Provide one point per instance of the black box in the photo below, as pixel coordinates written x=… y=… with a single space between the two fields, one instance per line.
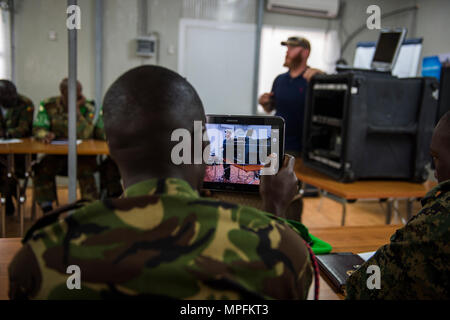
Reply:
x=369 y=125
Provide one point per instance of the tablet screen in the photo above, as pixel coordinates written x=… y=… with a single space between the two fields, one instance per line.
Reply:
x=238 y=153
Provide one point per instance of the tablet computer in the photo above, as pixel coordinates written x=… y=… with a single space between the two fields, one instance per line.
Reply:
x=241 y=150
x=388 y=48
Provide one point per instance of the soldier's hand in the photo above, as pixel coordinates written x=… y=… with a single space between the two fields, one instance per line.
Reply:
x=266 y=101
x=311 y=72
x=277 y=191
x=49 y=137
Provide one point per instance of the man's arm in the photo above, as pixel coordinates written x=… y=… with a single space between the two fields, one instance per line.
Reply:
x=267 y=99
x=277 y=191
x=25 y=123
x=85 y=123
x=407 y=271
x=414 y=265
x=24 y=275
x=41 y=126
x=311 y=72
x=99 y=131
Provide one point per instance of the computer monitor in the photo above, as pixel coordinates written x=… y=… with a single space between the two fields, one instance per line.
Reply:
x=388 y=47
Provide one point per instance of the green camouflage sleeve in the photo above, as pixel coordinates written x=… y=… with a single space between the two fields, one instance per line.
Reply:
x=85 y=121
x=415 y=264
x=41 y=125
x=25 y=123
x=100 y=128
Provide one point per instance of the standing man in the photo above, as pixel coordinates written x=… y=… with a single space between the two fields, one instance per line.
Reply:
x=289 y=92
x=51 y=124
x=16 y=121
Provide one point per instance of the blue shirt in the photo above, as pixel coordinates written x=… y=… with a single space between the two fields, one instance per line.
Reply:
x=290 y=99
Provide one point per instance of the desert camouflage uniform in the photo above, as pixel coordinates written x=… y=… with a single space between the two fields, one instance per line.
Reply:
x=17 y=123
x=416 y=263
x=163 y=240
x=109 y=172
x=52 y=117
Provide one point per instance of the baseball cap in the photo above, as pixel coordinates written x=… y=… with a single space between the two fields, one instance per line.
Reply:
x=297 y=42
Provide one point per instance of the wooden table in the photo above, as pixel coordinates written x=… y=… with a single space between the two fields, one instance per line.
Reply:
x=368 y=189
x=343 y=239
x=30 y=146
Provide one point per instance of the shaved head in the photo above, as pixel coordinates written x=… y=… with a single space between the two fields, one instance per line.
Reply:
x=8 y=94
x=440 y=148
x=141 y=110
x=64 y=90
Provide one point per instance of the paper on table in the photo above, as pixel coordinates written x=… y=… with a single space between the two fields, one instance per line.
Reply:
x=366 y=255
x=63 y=142
x=7 y=141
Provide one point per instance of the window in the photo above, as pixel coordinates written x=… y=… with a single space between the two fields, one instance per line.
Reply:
x=5 y=47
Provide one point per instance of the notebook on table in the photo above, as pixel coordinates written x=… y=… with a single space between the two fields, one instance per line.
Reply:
x=336 y=268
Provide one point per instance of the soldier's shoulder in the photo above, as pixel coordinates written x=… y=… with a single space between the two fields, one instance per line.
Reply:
x=438 y=198
x=49 y=102
x=25 y=101
x=46 y=225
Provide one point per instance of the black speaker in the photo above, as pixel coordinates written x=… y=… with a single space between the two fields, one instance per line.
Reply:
x=369 y=125
x=444 y=92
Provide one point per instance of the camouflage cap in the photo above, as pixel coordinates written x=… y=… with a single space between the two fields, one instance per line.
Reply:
x=297 y=42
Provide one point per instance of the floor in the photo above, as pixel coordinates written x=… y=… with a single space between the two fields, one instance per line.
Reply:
x=317 y=213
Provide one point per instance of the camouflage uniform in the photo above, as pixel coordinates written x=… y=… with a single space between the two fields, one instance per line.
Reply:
x=109 y=172
x=416 y=263
x=52 y=117
x=162 y=240
x=17 y=124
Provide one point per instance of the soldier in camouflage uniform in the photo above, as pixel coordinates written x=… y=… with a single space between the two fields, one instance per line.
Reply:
x=16 y=121
x=162 y=239
x=110 y=185
x=51 y=124
x=416 y=262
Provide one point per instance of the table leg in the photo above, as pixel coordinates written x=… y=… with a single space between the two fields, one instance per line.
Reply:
x=341 y=201
x=3 y=215
x=389 y=211
x=344 y=212
x=21 y=212
x=409 y=208
x=320 y=200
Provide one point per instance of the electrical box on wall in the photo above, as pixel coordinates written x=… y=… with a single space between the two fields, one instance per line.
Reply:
x=147 y=46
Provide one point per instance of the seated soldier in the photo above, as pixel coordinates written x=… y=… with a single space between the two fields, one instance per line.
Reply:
x=110 y=185
x=416 y=262
x=162 y=239
x=16 y=121
x=51 y=124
